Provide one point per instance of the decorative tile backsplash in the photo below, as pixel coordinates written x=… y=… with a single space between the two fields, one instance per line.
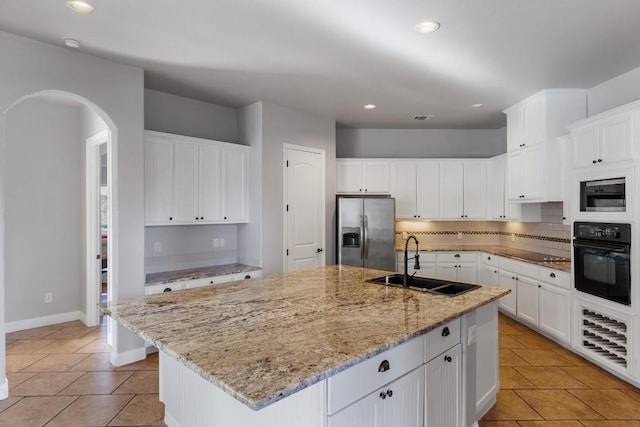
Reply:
x=550 y=237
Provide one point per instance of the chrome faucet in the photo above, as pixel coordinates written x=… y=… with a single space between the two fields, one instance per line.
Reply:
x=405 y=277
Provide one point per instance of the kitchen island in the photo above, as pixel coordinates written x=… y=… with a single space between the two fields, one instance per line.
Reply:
x=273 y=350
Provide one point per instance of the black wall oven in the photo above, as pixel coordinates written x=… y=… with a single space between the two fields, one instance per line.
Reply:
x=602 y=254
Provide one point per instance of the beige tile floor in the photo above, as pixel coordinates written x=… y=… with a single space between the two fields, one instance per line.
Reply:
x=544 y=385
x=60 y=375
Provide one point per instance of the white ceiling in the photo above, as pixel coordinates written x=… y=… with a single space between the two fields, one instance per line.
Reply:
x=332 y=57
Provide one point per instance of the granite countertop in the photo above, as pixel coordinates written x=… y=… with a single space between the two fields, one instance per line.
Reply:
x=263 y=339
x=517 y=254
x=197 y=273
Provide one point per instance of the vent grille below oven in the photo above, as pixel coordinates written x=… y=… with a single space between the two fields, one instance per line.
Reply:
x=604 y=337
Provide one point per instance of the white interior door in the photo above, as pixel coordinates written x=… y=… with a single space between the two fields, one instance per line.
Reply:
x=304 y=215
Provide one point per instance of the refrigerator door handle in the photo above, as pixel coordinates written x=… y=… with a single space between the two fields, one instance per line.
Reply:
x=362 y=236
x=365 y=237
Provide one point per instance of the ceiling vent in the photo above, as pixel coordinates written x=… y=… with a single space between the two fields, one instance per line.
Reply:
x=423 y=117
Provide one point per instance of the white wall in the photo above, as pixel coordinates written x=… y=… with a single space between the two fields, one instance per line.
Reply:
x=116 y=91
x=44 y=210
x=612 y=93
x=421 y=143
x=164 y=112
x=282 y=125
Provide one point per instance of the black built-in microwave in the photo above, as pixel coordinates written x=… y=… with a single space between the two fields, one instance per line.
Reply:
x=604 y=195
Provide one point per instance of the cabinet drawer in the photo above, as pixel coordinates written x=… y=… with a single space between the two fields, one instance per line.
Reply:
x=519 y=268
x=425 y=256
x=489 y=259
x=561 y=279
x=364 y=378
x=441 y=339
x=462 y=256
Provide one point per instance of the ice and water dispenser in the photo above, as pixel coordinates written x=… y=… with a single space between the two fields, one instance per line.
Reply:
x=350 y=237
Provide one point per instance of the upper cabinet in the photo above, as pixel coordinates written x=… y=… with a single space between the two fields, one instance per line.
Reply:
x=463 y=190
x=606 y=138
x=416 y=188
x=499 y=208
x=362 y=176
x=194 y=181
x=534 y=160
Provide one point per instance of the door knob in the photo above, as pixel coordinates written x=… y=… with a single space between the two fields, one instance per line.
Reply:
x=319 y=250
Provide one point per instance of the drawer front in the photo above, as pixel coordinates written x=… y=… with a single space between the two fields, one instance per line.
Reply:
x=441 y=339
x=425 y=256
x=358 y=381
x=519 y=268
x=561 y=279
x=158 y=289
x=462 y=256
x=489 y=259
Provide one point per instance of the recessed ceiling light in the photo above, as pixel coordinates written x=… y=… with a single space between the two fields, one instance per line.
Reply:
x=369 y=107
x=423 y=117
x=80 y=6
x=478 y=105
x=73 y=43
x=427 y=27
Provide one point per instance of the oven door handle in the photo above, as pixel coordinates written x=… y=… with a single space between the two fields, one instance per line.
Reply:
x=605 y=247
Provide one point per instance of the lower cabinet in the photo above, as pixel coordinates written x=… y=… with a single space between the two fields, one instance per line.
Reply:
x=464 y=272
x=443 y=389
x=555 y=315
x=508 y=303
x=527 y=297
x=487 y=376
x=400 y=403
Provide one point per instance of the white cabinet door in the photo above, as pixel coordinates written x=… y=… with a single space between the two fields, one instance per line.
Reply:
x=367 y=412
x=497 y=166
x=185 y=182
x=236 y=188
x=527 y=296
x=615 y=137
x=508 y=303
x=467 y=273
x=443 y=390
x=585 y=146
x=475 y=190
x=534 y=169
x=210 y=182
x=375 y=177
x=404 y=405
x=403 y=188
x=158 y=180
x=534 y=122
x=447 y=271
x=515 y=129
x=487 y=383
x=452 y=190
x=349 y=177
x=488 y=276
x=555 y=309
x=515 y=175
x=428 y=190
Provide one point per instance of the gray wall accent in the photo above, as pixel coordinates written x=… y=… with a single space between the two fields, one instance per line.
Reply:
x=44 y=210
x=421 y=143
x=283 y=125
x=189 y=246
x=618 y=91
x=164 y=112
x=250 y=235
x=116 y=92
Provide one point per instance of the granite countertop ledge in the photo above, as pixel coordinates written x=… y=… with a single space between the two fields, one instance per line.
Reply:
x=263 y=339
x=502 y=251
x=197 y=273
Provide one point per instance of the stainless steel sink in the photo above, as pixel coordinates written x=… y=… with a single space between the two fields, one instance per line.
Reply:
x=443 y=287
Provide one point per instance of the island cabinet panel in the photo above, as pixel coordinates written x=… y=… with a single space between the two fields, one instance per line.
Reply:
x=443 y=389
x=487 y=371
x=192 y=401
x=364 y=378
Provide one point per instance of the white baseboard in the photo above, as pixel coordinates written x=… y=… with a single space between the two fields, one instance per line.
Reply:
x=37 y=322
x=131 y=356
x=4 y=389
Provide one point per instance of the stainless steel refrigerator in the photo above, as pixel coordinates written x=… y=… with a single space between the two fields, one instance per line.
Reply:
x=366 y=231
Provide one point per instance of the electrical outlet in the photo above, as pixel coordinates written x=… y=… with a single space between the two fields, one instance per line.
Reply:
x=216 y=243
x=404 y=235
x=513 y=237
x=459 y=235
x=472 y=334
x=48 y=297
x=157 y=247
x=222 y=243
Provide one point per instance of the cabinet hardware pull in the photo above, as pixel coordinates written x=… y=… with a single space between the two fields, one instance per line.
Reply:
x=167 y=290
x=457 y=255
x=552 y=275
x=384 y=366
x=599 y=160
x=594 y=162
x=248 y=276
x=446 y=332
x=447 y=359
x=489 y=258
x=170 y=218
x=383 y=395
x=389 y=393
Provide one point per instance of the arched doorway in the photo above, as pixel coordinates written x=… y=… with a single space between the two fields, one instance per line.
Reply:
x=47 y=236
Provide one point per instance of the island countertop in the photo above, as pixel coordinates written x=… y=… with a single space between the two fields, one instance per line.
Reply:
x=263 y=339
